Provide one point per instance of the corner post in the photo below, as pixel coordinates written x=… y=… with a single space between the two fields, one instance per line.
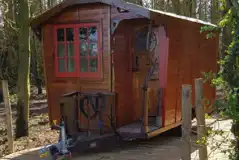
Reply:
x=186 y=121
x=200 y=114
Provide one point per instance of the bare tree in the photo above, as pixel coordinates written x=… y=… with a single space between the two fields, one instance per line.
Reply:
x=23 y=82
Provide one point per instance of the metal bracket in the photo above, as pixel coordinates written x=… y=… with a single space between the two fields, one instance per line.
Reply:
x=114 y=25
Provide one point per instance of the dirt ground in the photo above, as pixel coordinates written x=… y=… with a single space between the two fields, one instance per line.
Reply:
x=167 y=147
x=39 y=130
x=163 y=147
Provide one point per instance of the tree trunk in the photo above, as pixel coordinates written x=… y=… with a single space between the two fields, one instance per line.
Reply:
x=186 y=7
x=51 y=3
x=226 y=40
x=168 y=6
x=205 y=10
x=177 y=6
x=34 y=56
x=235 y=131
x=10 y=14
x=194 y=8
x=201 y=10
x=160 y=5
x=189 y=8
x=235 y=127
x=214 y=11
x=226 y=33
x=35 y=65
x=40 y=6
x=23 y=82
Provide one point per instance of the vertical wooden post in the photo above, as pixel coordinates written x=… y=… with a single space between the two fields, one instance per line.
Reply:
x=89 y=114
x=200 y=114
x=159 y=108
x=186 y=121
x=8 y=112
x=146 y=111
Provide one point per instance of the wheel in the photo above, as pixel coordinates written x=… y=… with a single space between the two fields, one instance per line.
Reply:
x=53 y=150
x=60 y=156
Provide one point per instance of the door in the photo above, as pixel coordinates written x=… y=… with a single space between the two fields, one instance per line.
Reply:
x=123 y=78
x=141 y=68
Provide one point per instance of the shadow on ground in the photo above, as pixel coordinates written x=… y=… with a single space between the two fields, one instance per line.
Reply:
x=24 y=155
x=165 y=146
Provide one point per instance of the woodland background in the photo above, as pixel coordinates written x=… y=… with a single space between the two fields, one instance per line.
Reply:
x=21 y=51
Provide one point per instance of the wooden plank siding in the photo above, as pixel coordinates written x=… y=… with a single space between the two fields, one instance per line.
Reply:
x=190 y=54
x=123 y=76
x=128 y=83
x=59 y=86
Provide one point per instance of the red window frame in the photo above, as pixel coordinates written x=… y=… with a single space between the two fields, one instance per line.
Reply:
x=76 y=56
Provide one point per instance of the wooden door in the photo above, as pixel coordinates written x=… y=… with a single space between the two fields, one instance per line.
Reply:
x=123 y=78
x=158 y=80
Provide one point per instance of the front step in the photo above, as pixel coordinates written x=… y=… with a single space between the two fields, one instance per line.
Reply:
x=133 y=131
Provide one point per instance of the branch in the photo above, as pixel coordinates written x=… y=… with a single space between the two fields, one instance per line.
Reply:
x=10 y=23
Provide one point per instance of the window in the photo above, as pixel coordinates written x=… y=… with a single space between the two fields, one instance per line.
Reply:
x=77 y=51
x=141 y=48
x=156 y=52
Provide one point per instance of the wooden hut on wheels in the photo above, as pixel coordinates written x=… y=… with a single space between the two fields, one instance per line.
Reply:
x=112 y=66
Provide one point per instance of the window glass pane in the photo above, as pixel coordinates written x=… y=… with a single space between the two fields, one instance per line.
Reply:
x=93 y=34
x=61 y=65
x=70 y=34
x=70 y=49
x=93 y=49
x=71 y=65
x=141 y=40
x=83 y=33
x=93 y=65
x=60 y=34
x=83 y=48
x=60 y=50
x=84 y=65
